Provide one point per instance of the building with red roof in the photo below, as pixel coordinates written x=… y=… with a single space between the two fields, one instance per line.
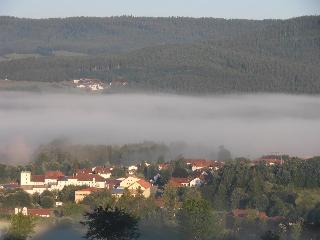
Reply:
x=244 y=213
x=36 y=212
x=163 y=166
x=52 y=177
x=53 y=174
x=112 y=183
x=197 y=164
x=269 y=160
x=140 y=186
x=81 y=194
x=103 y=171
x=179 y=182
x=91 y=180
x=37 y=179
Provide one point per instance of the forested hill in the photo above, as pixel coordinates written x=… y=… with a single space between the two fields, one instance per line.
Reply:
x=183 y=55
x=114 y=34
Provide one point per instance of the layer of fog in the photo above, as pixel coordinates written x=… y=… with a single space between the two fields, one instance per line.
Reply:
x=248 y=125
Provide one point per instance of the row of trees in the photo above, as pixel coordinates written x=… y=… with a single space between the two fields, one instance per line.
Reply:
x=60 y=155
x=274 y=190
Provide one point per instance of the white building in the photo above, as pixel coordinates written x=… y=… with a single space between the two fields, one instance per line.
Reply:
x=196 y=182
x=55 y=180
x=132 y=170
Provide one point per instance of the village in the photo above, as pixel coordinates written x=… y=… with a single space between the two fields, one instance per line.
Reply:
x=100 y=178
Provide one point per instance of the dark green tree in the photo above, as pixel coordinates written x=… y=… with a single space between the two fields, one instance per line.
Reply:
x=269 y=235
x=197 y=220
x=46 y=202
x=111 y=224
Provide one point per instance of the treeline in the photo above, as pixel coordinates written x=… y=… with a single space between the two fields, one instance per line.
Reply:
x=274 y=56
x=278 y=190
x=60 y=155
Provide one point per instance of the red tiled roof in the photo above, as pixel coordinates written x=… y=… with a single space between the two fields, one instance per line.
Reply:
x=202 y=163
x=90 y=177
x=262 y=215
x=239 y=212
x=113 y=182
x=39 y=211
x=53 y=174
x=6 y=210
x=178 y=182
x=84 y=171
x=37 y=178
x=194 y=161
x=268 y=160
x=102 y=170
x=163 y=165
x=144 y=183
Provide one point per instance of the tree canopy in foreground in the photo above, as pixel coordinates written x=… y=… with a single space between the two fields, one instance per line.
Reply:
x=111 y=223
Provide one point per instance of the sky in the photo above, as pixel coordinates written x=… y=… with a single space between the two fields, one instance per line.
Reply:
x=243 y=9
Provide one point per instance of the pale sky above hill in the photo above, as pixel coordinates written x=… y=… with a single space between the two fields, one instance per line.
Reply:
x=248 y=9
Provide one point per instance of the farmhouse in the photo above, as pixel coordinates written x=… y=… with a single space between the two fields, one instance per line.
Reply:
x=36 y=212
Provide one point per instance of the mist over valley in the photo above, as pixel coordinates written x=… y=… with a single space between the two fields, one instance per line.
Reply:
x=247 y=125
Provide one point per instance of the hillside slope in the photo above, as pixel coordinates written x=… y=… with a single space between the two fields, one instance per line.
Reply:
x=92 y=35
x=277 y=56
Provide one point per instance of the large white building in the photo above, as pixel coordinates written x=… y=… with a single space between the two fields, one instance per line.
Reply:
x=55 y=180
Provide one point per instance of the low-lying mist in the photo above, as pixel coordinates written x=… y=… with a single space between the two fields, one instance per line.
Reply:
x=248 y=125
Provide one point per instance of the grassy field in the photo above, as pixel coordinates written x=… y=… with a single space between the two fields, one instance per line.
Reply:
x=30 y=86
x=16 y=56
x=68 y=54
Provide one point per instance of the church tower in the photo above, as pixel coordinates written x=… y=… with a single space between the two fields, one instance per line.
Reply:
x=25 y=178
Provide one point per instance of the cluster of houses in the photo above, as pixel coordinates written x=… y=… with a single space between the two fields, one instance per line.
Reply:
x=89 y=84
x=92 y=179
x=199 y=169
x=270 y=160
x=99 y=178
x=93 y=84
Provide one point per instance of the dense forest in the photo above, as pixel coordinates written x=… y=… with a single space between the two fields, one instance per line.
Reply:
x=115 y=34
x=181 y=55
